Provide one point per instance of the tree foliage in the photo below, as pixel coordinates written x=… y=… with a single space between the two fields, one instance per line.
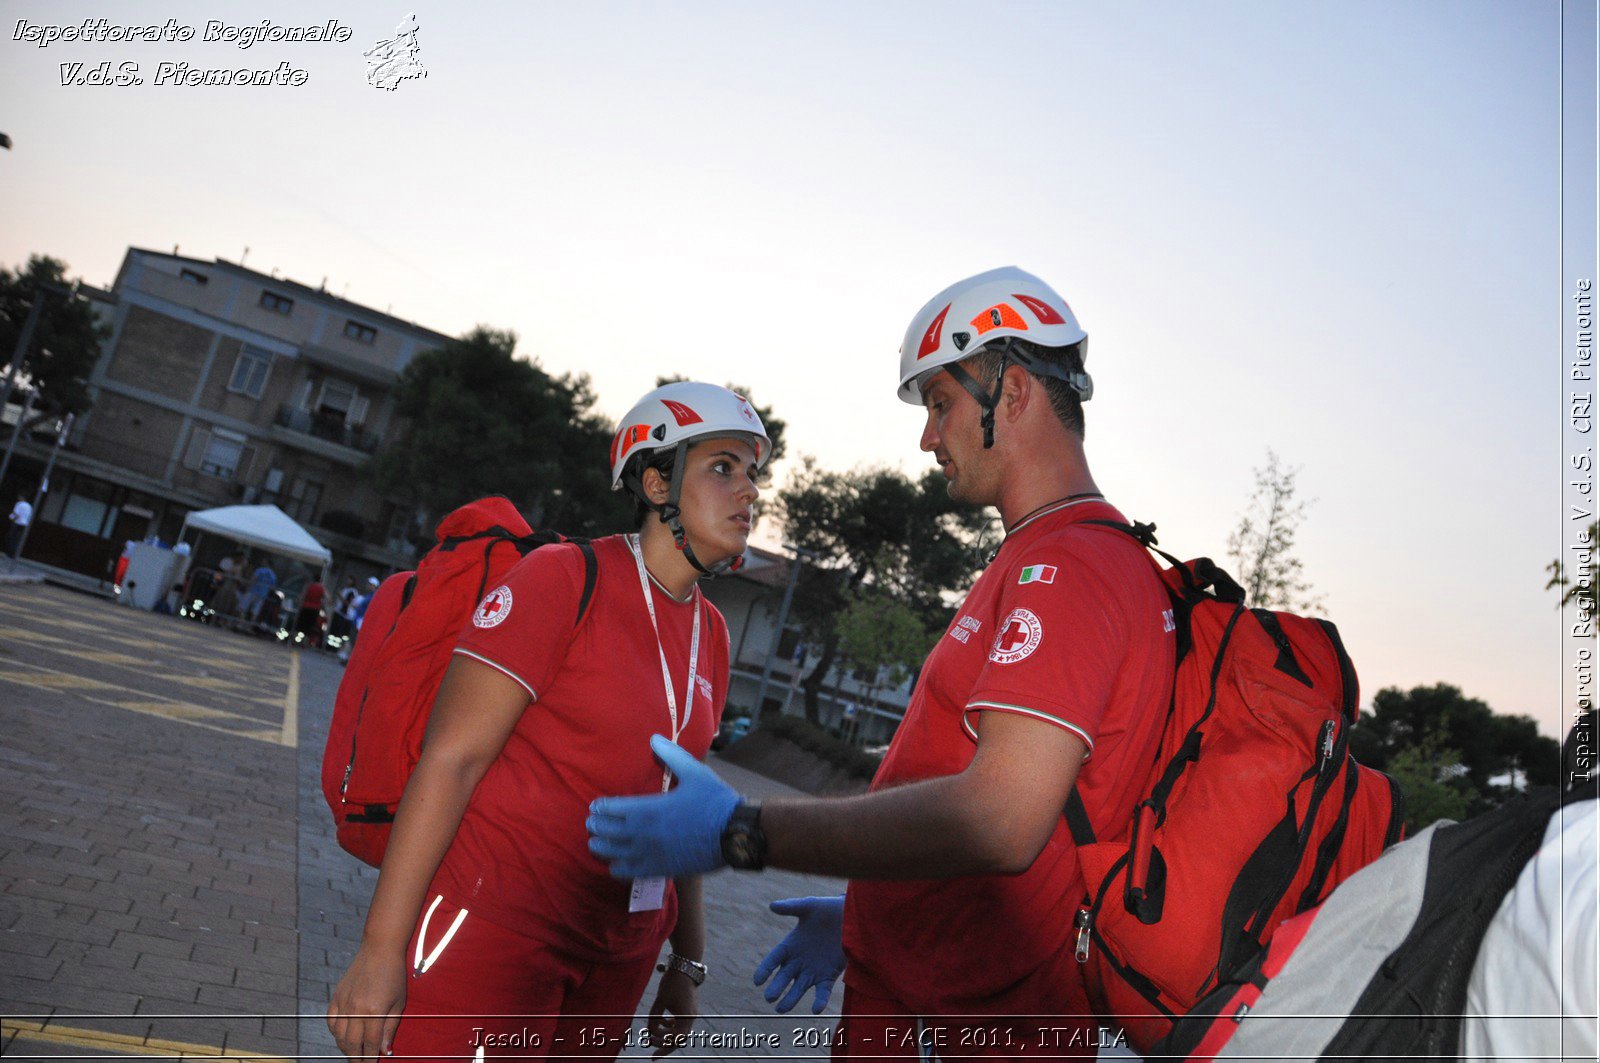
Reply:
x=1262 y=546
x=1434 y=789
x=480 y=421
x=1435 y=718
x=878 y=631
x=872 y=528
x=66 y=340
x=1577 y=590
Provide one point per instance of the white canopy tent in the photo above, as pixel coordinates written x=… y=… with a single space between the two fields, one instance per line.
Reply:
x=263 y=527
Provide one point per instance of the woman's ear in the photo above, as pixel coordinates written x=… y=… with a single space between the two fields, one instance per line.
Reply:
x=656 y=488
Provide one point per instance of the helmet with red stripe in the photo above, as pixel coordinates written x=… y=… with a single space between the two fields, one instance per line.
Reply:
x=1008 y=310
x=672 y=417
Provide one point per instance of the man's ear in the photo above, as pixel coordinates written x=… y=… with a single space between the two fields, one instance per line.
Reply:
x=1018 y=389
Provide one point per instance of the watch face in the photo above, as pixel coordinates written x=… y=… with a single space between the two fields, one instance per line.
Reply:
x=741 y=847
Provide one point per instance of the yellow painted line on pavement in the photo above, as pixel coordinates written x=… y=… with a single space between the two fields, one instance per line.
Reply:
x=120 y=1043
x=290 y=735
x=150 y=705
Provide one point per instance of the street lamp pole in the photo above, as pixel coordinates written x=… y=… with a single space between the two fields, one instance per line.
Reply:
x=44 y=482
x=777 y=634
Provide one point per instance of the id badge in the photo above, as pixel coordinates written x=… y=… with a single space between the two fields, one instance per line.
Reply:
x=648 y=894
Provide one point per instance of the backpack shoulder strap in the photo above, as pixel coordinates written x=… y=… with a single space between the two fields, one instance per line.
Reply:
x=591 y=573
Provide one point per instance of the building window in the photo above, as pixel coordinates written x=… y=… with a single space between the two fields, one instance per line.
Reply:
x=220 y=453
x=250 y=371
x=355 y=330
x=193 y=277
x=278 y=304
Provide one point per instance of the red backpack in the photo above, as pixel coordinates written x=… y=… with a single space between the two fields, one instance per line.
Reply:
x=407 y=637
x=1253 y=811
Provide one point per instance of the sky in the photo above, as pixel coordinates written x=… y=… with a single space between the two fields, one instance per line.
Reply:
x=1327 y=229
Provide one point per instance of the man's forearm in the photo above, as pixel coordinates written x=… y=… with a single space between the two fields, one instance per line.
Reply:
x=936 y=828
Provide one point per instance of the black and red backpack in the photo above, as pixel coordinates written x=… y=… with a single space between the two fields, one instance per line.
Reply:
x=408 y=634
x=1253 y=811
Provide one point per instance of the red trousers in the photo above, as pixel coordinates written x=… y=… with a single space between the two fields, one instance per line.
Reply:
x=485 y=987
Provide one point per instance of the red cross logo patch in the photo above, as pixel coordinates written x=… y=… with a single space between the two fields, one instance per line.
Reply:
x=495 y=607
x=1019 y=636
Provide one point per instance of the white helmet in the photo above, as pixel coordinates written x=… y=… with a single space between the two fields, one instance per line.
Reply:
x=677 y=413
x=993 y=306
x=671 y=417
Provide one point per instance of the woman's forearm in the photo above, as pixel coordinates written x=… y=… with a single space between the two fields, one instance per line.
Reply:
x=430 y=811
x=689 y=935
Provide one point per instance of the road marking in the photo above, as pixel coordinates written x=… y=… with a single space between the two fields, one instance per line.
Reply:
x=80 y=1038
x=290 y=735
x=153 y=705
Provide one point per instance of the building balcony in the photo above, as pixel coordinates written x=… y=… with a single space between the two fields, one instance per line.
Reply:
x=329 y=429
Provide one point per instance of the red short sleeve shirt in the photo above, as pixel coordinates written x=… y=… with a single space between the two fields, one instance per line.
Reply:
x=1069 y=626
x=520 y=858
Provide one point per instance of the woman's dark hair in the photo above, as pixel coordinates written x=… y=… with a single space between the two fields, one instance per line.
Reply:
x=659 y=460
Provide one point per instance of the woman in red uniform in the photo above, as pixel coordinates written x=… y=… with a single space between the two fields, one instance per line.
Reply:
x=492 y=929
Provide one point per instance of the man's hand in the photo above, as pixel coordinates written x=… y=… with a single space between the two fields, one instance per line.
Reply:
x=811 y=955
x=366 y=1005
x=672 y=834
x=673 y=1014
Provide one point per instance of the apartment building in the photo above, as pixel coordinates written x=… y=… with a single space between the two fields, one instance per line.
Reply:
x=221 y=385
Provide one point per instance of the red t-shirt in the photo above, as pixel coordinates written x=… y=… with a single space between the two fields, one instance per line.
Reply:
x=1068 y=625
x=521 y=857
x=312 y=599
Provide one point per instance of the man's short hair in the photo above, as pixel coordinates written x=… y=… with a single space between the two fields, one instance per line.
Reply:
x=1063 y=398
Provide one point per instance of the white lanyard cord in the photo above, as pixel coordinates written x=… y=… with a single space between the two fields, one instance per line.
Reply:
x=666 y=673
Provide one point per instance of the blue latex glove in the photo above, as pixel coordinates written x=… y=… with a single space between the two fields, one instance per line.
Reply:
x=675 y=833
x=811 y=955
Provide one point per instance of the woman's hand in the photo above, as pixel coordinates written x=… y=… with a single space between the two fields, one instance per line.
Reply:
x=367 y=1003
x=673 y=1014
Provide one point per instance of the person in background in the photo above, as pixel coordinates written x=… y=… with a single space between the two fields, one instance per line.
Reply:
x=17 y=527
x=262 y=583
x=308 y=621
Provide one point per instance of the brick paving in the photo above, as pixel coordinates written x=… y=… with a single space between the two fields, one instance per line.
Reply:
x=169 y=882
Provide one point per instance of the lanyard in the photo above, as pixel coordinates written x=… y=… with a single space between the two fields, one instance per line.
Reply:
x=666 y=674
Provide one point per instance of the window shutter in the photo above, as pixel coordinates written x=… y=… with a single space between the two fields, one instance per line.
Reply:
x=247 y=457
x=358 y=411
x=199 y=440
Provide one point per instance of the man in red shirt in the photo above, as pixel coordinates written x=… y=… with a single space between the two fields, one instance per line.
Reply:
x=1056 y=671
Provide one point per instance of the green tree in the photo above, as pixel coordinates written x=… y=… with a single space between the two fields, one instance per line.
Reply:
x=66 y=340
x=883 y=636
x=1490 y=745
x=874 y=528
x=1262 y=546
x=1432 y=784
x=1577 y=591
x=478 y=420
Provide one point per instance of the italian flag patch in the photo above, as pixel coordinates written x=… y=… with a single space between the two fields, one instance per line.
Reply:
x=1038 y=574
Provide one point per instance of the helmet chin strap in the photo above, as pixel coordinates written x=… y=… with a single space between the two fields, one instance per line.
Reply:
x=669 y=512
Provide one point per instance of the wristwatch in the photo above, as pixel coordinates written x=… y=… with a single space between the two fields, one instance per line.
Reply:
x=744 y=843
x=694 y=970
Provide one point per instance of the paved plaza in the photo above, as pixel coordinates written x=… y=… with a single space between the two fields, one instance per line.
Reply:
x=169 y=883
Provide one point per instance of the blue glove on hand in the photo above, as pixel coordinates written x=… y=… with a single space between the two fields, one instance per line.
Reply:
x=675 y=833
x=811 y=955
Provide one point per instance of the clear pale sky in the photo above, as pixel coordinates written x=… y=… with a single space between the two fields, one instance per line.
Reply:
x=1329 y=229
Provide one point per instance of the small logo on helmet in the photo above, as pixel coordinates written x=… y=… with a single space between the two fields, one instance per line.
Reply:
x=681 y=413
x=931 y=338
x=747 y=413
x=961 y=339
x=1019 y=636
x=494 y=608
